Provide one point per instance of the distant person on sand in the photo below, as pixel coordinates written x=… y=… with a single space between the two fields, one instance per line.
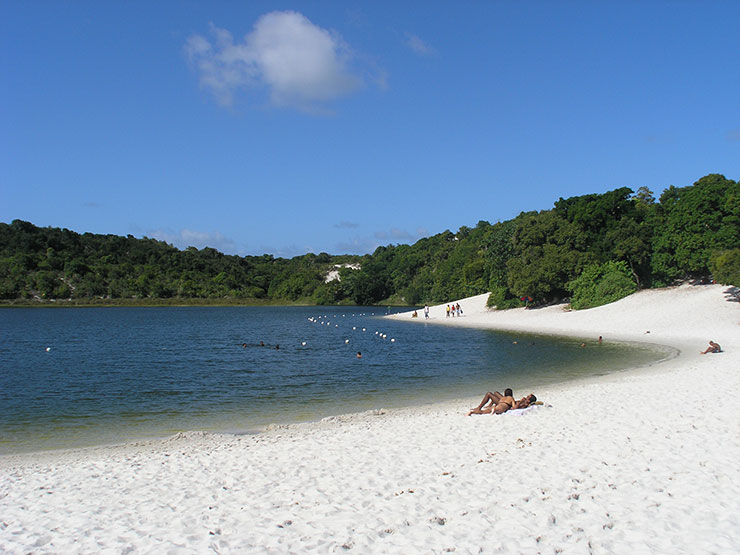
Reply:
x=713 y=348
x=526 y=401
x=502 y=403
x=426 y=312
x=498 y=403
x=448 y=311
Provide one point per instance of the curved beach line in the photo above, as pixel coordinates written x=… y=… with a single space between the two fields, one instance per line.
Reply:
x=640 y=461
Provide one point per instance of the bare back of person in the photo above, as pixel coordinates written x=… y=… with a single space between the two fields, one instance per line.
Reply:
x=504 y=404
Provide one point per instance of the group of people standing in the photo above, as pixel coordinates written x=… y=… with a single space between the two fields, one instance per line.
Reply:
x=454 y=310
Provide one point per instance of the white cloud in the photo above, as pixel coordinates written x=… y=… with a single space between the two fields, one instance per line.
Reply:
x=300 y=64
x=419 y=46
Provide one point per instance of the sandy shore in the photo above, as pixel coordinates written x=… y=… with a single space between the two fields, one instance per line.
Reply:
x=644 y=461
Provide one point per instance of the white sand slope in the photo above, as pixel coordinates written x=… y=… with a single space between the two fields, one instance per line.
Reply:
x=645 y=461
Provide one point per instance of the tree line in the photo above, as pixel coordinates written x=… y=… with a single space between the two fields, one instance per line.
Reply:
x=590 y=249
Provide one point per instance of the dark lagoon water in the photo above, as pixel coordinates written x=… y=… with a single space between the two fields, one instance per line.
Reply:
x=75 y=377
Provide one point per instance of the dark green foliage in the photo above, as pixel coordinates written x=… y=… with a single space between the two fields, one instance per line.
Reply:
x=598 y=238
x=600 y=284
x=725 y=266
x=549 y=251
x=50 y=263
x=692 y=223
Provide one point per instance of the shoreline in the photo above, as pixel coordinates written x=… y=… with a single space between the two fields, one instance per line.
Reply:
x=224 y=425
x=642 y=459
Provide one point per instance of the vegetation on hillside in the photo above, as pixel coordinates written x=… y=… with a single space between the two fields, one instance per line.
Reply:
x=595 y=248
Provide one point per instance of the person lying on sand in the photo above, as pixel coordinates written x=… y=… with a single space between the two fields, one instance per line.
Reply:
x=713 y=348
x=498 y=403
x=525 y=402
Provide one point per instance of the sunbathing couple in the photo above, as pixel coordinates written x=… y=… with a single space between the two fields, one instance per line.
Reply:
x=499 y=404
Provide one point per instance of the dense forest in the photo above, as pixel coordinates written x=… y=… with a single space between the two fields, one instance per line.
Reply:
x=590 y=249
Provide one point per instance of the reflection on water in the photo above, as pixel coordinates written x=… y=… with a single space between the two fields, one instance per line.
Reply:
x=90 y=376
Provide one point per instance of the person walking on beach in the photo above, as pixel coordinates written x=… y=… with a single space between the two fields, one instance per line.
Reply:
x=499 y=404
x=448 y=311
x=426 y=312
x=713 y=348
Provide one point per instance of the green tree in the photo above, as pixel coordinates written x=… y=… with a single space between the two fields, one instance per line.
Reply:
x=725 y=267
x=692 y=223
x=601 y=284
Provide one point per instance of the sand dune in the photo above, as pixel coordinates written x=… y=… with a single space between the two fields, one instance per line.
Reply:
x=642 y=461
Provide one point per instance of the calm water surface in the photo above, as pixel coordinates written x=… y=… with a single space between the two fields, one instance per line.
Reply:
x=74 y=377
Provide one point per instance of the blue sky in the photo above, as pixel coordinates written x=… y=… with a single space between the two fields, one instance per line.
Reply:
x=292 y=127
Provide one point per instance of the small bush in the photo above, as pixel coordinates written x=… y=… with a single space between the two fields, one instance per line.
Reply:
x=601 y=284
x=725 y=267
x=497 y=299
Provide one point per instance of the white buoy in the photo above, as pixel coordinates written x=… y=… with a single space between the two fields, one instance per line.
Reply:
x=48 y=349
x=363 y=329
x=354 y=328
x=346 y=340
x=303 y=343
x=393 y=340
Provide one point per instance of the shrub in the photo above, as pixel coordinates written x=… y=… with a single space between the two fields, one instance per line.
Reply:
x=601 y=284
x=497 y=298
x=725 y=267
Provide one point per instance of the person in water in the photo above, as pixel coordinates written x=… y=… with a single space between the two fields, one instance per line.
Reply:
x=713 y=348
x=359 y=354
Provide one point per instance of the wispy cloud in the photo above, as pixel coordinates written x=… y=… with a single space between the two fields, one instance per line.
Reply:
x=299 y=64
x=357 y=245
x=367 y=244
x=417 y=45
x=396 y=235
x=189 y=238
x=346 y=225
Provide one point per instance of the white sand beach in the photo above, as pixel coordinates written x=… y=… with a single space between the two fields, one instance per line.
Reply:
x=641 y=461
